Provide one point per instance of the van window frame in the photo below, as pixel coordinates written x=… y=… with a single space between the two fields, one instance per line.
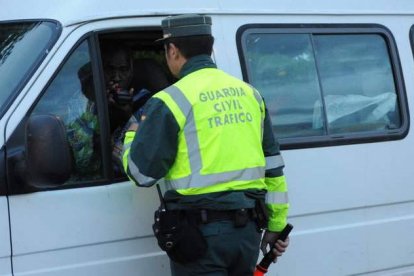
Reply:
x=92 y=38
x=337 y=29
x=18 y=136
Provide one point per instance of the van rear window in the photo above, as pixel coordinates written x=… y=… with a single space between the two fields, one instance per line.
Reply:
x=326 y=85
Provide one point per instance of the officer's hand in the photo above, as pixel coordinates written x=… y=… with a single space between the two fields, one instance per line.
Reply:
x=132 y=124
x=133 y=127
x=280 y=248
x=269 y=239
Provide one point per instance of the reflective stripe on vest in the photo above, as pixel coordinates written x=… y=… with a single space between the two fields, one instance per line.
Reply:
x=277 y=198
x=274 y=162
x=195 y=179
x=259 y=99
x=142 y=179
x=126 y=147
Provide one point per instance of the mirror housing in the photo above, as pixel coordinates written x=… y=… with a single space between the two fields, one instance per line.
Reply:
x=47 y=156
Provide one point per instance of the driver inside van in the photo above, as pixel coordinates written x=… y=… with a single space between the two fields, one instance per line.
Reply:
x=83 y=133
x=128 y=85
x=118 y=73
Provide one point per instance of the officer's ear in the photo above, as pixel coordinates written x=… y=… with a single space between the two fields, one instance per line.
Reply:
x=172 y=51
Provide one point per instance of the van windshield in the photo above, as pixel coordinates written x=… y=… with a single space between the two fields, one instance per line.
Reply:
x=23 y=45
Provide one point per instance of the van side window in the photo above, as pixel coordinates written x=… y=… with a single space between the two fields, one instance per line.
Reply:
x=323 y=85
x=76 y=106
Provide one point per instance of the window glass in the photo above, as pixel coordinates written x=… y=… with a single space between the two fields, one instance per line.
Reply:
x=282 y=67
x=357 y=82
x=322 y=84
x=71 y=97
x=21 y=46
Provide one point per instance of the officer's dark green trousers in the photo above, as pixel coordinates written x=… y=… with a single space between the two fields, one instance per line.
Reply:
x=231 y=251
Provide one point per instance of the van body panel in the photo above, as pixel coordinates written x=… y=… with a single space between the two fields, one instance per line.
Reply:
x=120 y=258
x=95 y=230
x=5 y=250
x=4 y=228
x=62 y=214
x=5 y=267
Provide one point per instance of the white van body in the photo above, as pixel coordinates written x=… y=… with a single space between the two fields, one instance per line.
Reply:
x=352 y=205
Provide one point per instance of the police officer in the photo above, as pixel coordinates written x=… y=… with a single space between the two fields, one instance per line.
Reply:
x=209 y=137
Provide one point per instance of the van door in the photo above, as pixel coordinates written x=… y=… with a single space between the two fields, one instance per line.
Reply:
x=5 y=251
x=96 y=223
x=23 y=46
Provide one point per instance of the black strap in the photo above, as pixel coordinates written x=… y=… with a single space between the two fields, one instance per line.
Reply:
x=205 y=216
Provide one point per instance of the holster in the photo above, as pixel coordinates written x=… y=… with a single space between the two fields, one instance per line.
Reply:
x=179 y=236
x=262 y=215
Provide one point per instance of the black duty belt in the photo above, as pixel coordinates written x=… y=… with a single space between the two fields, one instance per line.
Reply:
x=240 y=217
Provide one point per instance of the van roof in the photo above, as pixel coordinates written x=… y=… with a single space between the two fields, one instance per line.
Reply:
x=69 y=12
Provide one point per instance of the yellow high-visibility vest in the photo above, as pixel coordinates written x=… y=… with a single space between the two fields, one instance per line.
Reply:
x=220 y=138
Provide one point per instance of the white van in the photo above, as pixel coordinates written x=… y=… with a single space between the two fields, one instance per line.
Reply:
x=338 y=79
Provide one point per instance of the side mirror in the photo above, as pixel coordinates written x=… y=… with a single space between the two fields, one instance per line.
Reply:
x=47 y=152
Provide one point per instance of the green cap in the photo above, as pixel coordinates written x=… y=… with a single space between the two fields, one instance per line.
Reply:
x=186 y=25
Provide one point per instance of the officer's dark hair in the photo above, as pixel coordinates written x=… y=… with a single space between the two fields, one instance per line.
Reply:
x=191 y=46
